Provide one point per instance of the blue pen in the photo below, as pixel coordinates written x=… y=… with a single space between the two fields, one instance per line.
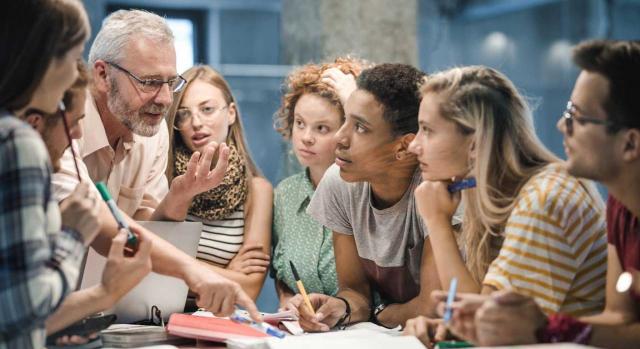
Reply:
x=450 y=297
x=261 y=326
x=461 y=185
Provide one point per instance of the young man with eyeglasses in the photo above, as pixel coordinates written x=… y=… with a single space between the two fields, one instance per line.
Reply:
x=80 y=210
x=125 y=144
x=601 y=129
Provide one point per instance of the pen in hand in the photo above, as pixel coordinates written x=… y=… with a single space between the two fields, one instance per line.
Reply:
x=466 y=183
x=301 y=289
x=261 y=326
x=448 y=310
x=132 y=240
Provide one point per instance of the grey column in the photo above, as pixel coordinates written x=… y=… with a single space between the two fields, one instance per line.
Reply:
x=376 y=30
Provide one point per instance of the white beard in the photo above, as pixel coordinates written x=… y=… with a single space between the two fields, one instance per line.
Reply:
x=131 y=119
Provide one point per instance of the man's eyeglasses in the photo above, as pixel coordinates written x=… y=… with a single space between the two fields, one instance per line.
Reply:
x=569 y=117
x=154 y=85
x=205 y=113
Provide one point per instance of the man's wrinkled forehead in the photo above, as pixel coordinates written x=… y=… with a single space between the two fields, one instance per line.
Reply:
x=150 y=59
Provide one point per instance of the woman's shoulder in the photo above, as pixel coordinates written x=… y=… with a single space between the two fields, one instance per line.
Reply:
x=260 y=183
x=292 y=182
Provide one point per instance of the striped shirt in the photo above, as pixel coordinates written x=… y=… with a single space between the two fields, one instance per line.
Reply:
x=555 y=247
x=220 y=240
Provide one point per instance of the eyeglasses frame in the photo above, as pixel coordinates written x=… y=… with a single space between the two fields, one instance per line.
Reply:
x=147 y=82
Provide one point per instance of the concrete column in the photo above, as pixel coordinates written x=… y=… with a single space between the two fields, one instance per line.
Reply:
x=376 y=30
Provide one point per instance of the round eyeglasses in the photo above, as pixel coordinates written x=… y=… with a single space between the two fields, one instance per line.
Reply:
x=184 y=116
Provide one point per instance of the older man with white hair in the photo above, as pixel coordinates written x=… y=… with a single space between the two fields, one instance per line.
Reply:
x=125 y=142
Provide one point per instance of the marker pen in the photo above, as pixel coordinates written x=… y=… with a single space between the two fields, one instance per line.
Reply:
x=461 y=185
x=261 y=326
x=448 y=311
x=132 y=240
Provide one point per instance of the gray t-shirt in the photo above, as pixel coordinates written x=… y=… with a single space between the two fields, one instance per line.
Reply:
x=389 y=241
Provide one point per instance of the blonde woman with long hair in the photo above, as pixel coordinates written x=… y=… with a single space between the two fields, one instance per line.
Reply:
x=236 y=215
x=528 y=225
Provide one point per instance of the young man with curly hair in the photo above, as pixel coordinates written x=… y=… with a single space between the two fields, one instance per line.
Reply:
x=366 y=199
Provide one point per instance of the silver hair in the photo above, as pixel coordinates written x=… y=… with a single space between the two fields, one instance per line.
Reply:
x=123 y=25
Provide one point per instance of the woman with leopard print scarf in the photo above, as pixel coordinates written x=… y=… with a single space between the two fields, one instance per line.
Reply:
x=236 y=215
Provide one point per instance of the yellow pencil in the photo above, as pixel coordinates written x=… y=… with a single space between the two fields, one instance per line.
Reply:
x=303 y=292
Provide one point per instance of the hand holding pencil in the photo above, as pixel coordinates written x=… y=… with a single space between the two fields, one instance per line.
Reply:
x=317 y=312
x=301 y=289
x=329 y=310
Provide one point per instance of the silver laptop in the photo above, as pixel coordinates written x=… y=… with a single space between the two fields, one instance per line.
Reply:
x=168 y=294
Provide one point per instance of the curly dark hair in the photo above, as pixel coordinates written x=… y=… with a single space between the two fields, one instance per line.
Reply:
x=619 y=62
x=308 y=79
x=397 y=88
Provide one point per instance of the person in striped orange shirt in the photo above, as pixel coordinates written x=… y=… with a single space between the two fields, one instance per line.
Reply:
x=528 y=225
x=601 y=130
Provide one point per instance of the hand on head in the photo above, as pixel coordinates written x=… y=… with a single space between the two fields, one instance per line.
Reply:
x=343 y=84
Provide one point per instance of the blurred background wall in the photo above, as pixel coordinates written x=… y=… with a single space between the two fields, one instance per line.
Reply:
x=254 y=43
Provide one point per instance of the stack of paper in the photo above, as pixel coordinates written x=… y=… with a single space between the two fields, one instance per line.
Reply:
x=128 y=336
x=369 y=339
x=272 y=318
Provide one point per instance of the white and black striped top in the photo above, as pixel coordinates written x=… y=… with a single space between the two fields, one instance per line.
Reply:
x=220 y=240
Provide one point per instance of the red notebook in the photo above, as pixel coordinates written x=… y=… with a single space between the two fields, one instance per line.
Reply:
x=210 y=328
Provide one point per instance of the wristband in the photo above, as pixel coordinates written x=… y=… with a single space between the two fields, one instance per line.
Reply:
x=346 y=318
x=375 y=312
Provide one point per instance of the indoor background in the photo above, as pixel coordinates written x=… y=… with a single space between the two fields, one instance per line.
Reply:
x=254 y=43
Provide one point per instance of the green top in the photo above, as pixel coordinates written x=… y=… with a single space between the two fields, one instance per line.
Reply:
x=300 y=239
